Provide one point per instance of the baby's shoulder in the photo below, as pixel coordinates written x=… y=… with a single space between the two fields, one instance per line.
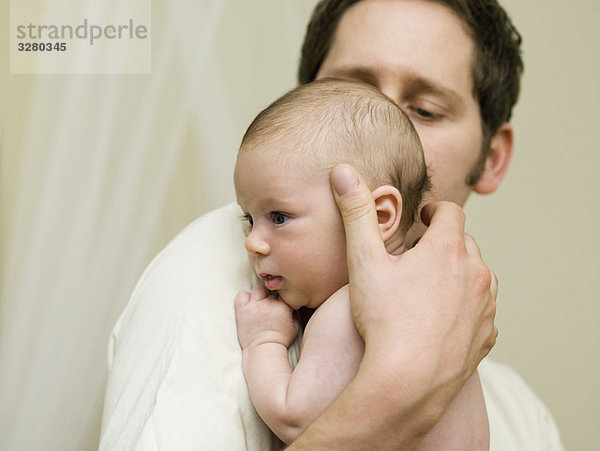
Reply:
x=334 y=310
x=339 y=299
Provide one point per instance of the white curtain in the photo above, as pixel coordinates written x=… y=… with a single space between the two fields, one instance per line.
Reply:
x=98 y=172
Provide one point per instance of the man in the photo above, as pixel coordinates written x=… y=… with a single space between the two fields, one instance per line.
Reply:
x=189 y=391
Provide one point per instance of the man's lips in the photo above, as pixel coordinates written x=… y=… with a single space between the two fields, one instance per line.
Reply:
x=271 y=282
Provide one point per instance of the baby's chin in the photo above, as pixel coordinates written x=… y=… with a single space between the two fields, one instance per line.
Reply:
x=297 y=302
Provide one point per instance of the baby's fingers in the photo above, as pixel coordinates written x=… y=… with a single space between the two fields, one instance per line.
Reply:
x=241 y=300
x=258 y=292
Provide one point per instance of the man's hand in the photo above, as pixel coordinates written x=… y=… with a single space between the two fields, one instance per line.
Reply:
x=435 y=302
x=427 y=318
x=263 y=318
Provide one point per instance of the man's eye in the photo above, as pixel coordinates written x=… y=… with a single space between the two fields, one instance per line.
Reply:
x=424 y=114
x=248 y=219
x=278 y=218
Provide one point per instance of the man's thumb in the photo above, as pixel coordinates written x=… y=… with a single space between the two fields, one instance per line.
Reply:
x=356 y=205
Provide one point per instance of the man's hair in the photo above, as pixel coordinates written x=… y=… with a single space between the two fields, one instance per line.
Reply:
x=340 y=121
x=497 y=64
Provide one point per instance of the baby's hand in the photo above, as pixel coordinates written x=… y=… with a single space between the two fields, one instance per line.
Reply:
x=263 y=318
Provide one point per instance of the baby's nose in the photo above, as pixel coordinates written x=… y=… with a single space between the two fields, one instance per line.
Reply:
x=256 y=244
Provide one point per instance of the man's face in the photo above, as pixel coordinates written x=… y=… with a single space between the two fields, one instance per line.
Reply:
x=420 y=55
x=296 y=241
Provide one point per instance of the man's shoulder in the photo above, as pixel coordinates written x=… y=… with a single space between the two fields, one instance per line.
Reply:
x=208 y=251
x=214 y=239
x=220 y=226
x=174 y=353
x=519 y=420
x=198 y=272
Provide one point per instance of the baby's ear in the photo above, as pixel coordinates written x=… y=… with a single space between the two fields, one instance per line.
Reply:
x=388 y=203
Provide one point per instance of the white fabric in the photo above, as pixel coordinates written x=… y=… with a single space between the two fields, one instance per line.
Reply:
x=176 y=380
x=518 y=419
x=97 y=173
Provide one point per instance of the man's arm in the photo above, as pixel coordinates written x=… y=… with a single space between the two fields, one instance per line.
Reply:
x=422 y=342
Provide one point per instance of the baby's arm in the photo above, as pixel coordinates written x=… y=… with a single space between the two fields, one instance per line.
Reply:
x=266 y=328
x=464 y=425
x=331 y=352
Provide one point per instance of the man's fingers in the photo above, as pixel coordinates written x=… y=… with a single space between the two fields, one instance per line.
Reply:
x=494 y=292
x=444 y=216
x=355 y=202
x=494 y=285
x=473 y=249
x=471 y=245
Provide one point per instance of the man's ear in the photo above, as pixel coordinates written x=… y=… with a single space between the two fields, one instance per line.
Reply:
x=496 y=164
x=388 y=203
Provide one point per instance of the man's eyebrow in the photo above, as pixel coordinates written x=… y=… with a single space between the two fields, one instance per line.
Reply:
x=361 y=72
x=413 y=83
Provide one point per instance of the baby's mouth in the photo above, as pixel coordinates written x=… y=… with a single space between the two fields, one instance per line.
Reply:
x=272 y=282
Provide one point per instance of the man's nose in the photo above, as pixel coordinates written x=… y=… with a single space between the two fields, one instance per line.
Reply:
x=256 y=243
x=391 y=90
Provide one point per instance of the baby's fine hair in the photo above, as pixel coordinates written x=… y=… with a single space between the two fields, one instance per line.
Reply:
x=341 y=121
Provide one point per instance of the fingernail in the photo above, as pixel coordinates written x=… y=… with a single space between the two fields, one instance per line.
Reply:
x=344 y=179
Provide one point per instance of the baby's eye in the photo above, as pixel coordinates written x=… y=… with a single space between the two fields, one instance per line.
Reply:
x=248 y=219
x=278 y=218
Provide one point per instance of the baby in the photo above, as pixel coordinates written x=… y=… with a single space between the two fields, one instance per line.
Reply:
x=296 y=245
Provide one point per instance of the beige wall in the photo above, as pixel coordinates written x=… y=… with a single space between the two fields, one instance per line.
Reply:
x=541 y=231
x=84 y=205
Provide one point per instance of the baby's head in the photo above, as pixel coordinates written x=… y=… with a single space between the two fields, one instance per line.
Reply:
x=296 y=241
